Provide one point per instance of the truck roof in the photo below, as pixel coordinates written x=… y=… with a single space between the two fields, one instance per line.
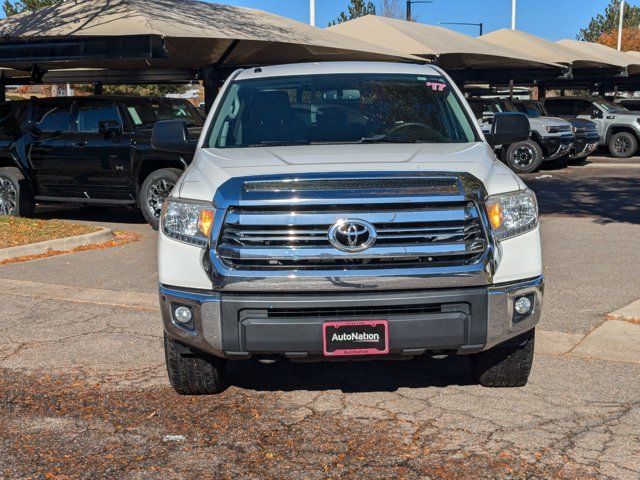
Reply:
x=319 y=68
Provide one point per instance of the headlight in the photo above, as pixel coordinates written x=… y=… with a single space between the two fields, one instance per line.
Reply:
x=188 y=221
x=512 y=214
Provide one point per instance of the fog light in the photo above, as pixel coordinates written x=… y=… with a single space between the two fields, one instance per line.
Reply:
x=522 y=305
x=182 y=314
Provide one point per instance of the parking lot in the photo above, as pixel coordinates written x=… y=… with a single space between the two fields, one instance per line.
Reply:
x=85 y=392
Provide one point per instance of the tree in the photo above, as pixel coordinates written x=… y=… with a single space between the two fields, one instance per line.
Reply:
x=393 y=9
x=630 y=39
x=608 y=22
x=13 y=7
x=356 y=8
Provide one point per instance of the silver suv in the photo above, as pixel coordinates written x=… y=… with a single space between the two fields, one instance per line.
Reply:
x=619 y=128
x=551 y=138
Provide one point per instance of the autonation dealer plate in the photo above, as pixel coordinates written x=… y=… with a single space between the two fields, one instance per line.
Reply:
x=360 y=337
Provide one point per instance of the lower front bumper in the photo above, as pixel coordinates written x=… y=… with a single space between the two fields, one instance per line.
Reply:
x=465 y=320
x=556 y=147
x=582 y=149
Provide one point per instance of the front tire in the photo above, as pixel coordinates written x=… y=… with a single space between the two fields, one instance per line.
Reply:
x=193 y=374
x=623 y=144
x=523 y=157
x=505 y=366
x=154 y=191
x=16 y=198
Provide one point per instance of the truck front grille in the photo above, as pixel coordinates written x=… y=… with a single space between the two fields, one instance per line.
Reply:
x=296 y=238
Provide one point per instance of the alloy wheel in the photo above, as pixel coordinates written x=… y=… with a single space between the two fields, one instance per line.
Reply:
x=158 y=193
x=523 y=156
x=622 y=145
x=8 y=197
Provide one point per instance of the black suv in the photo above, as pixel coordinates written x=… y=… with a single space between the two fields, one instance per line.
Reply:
x=88 y=150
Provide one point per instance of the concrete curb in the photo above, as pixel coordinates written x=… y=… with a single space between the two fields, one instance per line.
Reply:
x=58 y=244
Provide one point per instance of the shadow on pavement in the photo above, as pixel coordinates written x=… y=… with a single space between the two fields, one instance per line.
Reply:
x=608 y=198
x=350 y=376
x=90 y=213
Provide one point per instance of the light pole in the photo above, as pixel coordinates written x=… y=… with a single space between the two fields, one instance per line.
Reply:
x=312 y=13
x=513 y=14
x=409 y=2
x=480 y=25
x=620 y=25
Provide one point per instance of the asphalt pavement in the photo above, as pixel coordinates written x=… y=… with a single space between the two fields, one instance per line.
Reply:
x=84 y=394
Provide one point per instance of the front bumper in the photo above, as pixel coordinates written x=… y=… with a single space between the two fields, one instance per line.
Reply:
x=584 y=145
x=461 y=320
x=556 y=147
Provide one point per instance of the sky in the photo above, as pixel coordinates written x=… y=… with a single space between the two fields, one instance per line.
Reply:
x=551 y=19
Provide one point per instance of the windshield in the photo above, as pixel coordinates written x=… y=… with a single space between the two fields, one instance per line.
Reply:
x=340 y=108
x=609 y=106
x=531 y=110
x=145 y=114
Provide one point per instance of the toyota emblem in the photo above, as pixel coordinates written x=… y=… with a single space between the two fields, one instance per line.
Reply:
x=352 y=235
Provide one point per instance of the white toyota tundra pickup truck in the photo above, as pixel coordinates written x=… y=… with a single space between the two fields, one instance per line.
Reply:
x=338 y=211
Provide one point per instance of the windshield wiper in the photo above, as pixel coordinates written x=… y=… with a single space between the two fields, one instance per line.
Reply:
x=277 y=144
x=385 y=139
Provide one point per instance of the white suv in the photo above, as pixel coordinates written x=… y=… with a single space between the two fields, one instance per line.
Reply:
x=347 y=211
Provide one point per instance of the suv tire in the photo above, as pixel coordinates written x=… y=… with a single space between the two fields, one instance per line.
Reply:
x=15 y=194
x=623 y=144
x=153 y=192
x=523 y=157
x=505 y=366
x=193 y=373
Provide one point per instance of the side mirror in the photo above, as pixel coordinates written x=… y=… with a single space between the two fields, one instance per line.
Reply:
x=30 y=127
x=508 y=128
x=172 y=136
x=596 y=113
x=109 y=128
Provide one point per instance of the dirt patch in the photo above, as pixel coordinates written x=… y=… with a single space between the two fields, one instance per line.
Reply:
x=22 y=231
x=66 y=427
x=121 y=238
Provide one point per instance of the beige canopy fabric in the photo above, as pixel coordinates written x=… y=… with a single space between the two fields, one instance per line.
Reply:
x=604 y=53
x=549 y=51
x=450 y=49
x=193 y=34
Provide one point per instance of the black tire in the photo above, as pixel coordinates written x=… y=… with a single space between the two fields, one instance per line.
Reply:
x=15 y=193
x=505 y=366
x=193 y=374
x=623 y=144
x=154 y=190
x=523 y=157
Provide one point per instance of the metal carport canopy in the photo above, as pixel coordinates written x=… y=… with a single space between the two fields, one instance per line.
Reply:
x=606 y=54
x=138 y=40
x=455 y=52
x=582 y=64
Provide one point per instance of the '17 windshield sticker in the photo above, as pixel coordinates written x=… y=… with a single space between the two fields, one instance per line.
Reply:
x=437 y=86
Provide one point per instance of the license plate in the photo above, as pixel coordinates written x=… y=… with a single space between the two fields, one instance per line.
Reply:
x=358 y=337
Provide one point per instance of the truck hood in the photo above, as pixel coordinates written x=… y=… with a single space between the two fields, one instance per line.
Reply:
x=212 y=167
x=547 y=122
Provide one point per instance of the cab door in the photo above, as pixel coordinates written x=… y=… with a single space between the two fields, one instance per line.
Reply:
x=103 y=150
x=50 y=152
x=590 y=111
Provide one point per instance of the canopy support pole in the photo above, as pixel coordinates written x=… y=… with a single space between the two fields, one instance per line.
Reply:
x=210 y=89
x=3 y=95
x=542 y=91
x=98 y=88
x=602 y=89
